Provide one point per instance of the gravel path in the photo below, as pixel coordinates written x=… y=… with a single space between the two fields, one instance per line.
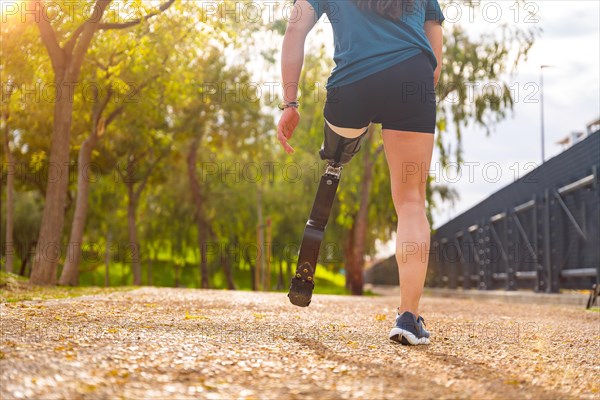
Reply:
x=179 y=344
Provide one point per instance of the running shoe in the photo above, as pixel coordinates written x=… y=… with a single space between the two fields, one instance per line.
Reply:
x=409 y=330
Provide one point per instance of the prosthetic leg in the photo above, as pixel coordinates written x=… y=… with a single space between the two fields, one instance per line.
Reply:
x=337 y=151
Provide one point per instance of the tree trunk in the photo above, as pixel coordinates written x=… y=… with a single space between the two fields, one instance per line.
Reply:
x=196 y=191
x=349 y=256
x=227 y=270
x=70 y=273
x=66 y=64
x=280 y=279
x=202 y=238
x=260 y=239
x=133 y=239
x=252 y=280
x=23 y=265
x=10 y=204
x=134 y=193
x=107 y=259
x=48 y=249
x=26 y=259
x=361 y=219
x=150 y=270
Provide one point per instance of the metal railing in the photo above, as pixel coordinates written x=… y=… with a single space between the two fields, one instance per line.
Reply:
x=540 y=232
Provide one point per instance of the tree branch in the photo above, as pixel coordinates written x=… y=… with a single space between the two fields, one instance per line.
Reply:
x=70 y=45
x=57 y=55
x=87 y=33
x=99 y=65
x=98 y=123
x=124 y=25
x=111 y=117
x=115 y=113
x=153 y=165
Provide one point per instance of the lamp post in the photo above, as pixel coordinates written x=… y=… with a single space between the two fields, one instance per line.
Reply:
x=542 y=106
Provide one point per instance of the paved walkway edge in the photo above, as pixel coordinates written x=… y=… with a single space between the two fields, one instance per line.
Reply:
x=566 y=299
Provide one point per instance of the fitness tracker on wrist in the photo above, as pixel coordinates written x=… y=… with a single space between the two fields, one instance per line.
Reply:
x=283 y=106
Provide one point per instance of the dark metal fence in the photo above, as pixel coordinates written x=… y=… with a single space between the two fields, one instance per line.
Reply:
x=540 y=232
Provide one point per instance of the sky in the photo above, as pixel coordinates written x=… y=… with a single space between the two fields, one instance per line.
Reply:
x=570 y=44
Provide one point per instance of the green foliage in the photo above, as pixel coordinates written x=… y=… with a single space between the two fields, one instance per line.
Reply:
x=474 y=86
x=27 y=219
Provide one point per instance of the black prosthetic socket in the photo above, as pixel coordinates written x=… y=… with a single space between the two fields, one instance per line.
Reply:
x=337 y=150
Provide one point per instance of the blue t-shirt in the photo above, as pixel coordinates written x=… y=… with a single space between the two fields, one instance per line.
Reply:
x=366 y=42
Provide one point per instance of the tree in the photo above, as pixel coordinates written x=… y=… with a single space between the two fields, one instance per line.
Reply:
x=10 y=184
x=27 y=217
x=67 y=60
x=357 y=236
x=16 y=73
x=123 y=72
x=141 y=160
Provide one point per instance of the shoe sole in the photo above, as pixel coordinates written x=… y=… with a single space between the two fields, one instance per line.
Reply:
x=302 y=286
x=406 y=338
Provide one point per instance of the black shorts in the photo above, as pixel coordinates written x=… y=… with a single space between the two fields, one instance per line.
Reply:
x=401 y=97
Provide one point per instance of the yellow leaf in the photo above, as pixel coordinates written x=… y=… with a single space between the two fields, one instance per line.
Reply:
x=189 y=316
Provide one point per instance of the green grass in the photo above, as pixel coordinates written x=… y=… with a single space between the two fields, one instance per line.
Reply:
x=164 y=274
x=15 y=288
x=7 y=278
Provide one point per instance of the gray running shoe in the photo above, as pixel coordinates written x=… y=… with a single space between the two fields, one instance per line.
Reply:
x=409 y=330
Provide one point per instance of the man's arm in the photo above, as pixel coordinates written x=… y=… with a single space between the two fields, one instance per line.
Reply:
x=433 y=30
x=301 y=21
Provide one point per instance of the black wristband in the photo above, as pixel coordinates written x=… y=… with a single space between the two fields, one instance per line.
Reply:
x=283 y=106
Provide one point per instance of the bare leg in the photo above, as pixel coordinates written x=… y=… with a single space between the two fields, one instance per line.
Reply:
x=408 y=156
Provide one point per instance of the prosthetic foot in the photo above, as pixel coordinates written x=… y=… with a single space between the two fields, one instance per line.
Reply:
x=337 y=151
